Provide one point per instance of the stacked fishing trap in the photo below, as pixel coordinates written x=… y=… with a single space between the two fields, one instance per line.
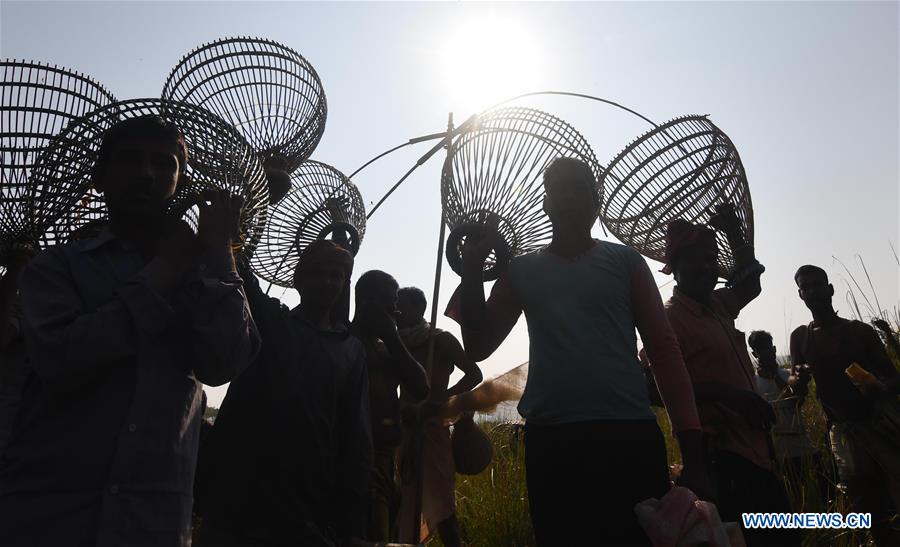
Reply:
x=37 y=102
x=252 y=112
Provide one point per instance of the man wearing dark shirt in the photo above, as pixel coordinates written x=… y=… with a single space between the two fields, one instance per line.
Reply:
x=868 y=458
x=289 y=457
x=390 y=366
x=120 y=330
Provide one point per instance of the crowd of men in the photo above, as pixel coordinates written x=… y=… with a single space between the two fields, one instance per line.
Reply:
x=332 y=431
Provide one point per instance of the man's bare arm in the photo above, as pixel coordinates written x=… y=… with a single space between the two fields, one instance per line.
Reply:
x=501 y=312
x=746 y=280
x=484 y=324
x=799 y=366
x=472 y=375
x=879 y=360
x=413 y=378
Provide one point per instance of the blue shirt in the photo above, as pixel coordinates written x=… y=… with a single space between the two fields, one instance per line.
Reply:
x=583 y=362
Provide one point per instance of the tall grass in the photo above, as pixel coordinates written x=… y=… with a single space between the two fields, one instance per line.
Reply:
x=492 y=507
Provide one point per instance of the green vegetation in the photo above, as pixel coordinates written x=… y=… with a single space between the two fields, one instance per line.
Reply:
x=493 y=506
x=210 y=413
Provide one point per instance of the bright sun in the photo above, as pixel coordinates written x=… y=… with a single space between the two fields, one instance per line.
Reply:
x=487 y=60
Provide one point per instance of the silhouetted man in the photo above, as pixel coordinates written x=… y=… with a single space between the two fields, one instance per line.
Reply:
x=390 y=366
x=435 y=462
x=735 y=419
x=121 y=329
x=792 y=445
x=590 y=433
x=867 y=455
x=289 y=457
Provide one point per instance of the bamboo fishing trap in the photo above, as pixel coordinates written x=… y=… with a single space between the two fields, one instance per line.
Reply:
x=37 y=102
x=321 y=202
x=494 y=173
x=679 y=169
x=268 y=91
x=218 y=157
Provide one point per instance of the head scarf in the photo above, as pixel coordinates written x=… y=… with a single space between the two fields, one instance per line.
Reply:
x=681 y=234
x=320 y=252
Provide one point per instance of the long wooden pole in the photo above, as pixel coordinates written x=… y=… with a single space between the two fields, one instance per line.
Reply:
x=419 y=441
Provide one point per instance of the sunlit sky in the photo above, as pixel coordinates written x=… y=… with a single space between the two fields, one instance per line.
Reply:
x=807 y=91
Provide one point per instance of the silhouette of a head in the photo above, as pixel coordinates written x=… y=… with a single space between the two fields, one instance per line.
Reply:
x=813 y=287
x=762 y=346
x=322 y=273
x=139 y=166
x=571 y=196
x=692 y=254
x=411 y=304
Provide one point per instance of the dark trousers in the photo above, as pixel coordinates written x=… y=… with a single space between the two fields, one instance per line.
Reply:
x=585 y=478
x=385 y=496
x=743 y=487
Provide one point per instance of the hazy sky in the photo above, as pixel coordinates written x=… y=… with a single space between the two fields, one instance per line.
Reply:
x=808 y=92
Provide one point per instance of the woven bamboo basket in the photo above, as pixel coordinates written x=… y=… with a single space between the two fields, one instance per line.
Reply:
x=37 y=102
x=268 y=91
x=680 y=169
x=218 y=157
x=322 y=202
x=494 y=173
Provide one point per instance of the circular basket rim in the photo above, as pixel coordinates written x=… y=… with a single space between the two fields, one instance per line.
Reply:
x=286 y=260
x=81 y=88
x=313 y=127
x=90 y=127
x=574 y=144
x=623 y=224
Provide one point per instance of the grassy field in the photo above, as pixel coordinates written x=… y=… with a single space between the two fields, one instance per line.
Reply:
x=493 y=506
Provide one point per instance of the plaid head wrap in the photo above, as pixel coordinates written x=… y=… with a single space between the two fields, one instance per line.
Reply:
x=681 y=234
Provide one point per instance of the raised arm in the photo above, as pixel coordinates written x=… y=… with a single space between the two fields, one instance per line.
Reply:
x=413 y=379
x=69 y=346
x=501 y=312
x=484 y=324
x=747 y=270
x=225 y=339
x=266 y=310
x=472 y=375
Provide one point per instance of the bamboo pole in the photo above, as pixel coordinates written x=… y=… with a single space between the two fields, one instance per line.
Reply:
x=419 y=440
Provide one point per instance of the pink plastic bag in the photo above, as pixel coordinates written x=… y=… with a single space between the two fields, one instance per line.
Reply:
x=680 y=519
